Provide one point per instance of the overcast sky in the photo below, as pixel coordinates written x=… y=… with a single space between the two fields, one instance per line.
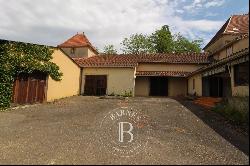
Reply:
x=108 y=21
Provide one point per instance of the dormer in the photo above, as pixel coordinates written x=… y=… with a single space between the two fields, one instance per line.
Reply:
x=78 y=46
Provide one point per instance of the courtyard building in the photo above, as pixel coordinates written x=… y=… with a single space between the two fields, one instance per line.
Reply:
x=222 y=70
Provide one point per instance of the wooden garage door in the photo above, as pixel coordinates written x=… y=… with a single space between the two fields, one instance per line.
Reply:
x=95 y=85
x=29 y=88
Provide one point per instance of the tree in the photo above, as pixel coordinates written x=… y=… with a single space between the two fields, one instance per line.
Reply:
x=137 y=44
x=182 y=44
x=162 y=40
x=109 y=49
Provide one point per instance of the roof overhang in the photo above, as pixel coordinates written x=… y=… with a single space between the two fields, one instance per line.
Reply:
x=162 y=73
x=221 y=65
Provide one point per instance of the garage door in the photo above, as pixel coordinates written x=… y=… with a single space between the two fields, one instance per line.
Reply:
x=29 y=88
x=95 y=85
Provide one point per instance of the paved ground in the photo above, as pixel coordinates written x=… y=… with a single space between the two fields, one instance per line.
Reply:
x=66 y=132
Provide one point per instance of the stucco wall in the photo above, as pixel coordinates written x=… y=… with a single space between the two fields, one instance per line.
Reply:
x=198 y=85
x=167 y=67
x=177 y=86
x=220 y=43
x=70 y=83
x=142 y=86
x=82 y=52
x=238 y=90
x=237 y=46
x=119 y=80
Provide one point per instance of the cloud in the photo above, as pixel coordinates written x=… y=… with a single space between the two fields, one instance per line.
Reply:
x=104 y=22
x=214 y=3
x=197 y=5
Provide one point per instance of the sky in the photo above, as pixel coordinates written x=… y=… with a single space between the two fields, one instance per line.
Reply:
x=51 y=22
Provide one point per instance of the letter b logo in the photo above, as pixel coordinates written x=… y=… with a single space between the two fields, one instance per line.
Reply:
x=121 y=131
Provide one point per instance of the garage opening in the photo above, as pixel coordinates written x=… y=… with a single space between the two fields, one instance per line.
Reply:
x=158 y=86
x=95 y=85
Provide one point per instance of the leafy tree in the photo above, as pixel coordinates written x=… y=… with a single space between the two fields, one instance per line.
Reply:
x=182 y=44
x=16 y=58
x=162 y=40
x=109 y=49
x=137 y=44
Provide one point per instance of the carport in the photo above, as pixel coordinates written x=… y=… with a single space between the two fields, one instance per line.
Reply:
x=160 y=83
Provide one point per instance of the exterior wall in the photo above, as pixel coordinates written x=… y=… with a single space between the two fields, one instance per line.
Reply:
x=238 y=90
x=81 y=52
x=168 y=67
x=239 y=45
x=142 y=86
x=177 y=86
x=220 y=43
x=119 y=80
x=91 y=53
x=198 y=85
x=70 y=83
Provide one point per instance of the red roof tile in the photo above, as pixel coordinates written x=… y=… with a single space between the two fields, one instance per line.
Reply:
x=163 y=73
x=131 y=60
x=236 y=25
x=79 y=40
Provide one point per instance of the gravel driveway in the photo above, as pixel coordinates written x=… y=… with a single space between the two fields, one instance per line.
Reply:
x=68 y=132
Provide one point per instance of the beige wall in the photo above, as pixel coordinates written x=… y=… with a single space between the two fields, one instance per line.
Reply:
x=220 y=43
x=142 y=86
x=238 y=90
x=167 y=67
x=119 y=80
x=82 y=52
x=177 y=86
x=70 y=83
x=198 y=85
x=237 y=46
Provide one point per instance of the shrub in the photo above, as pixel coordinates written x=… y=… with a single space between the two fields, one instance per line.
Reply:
x=127 y=94
x=235 y=109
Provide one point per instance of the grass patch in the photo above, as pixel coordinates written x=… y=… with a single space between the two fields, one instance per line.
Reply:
x=235 y=109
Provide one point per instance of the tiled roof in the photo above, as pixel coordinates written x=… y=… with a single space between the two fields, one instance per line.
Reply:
x=78 y=40
x=163 y=73
x=131 y=60
x=236 y=24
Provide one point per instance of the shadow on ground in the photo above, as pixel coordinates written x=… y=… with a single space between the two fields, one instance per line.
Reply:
x=219 y=124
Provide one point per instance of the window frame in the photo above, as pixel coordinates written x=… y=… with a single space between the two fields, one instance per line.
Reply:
x=227 y=51
x=237 y=74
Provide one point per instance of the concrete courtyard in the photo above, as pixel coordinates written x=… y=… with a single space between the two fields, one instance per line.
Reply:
x=67 y=132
